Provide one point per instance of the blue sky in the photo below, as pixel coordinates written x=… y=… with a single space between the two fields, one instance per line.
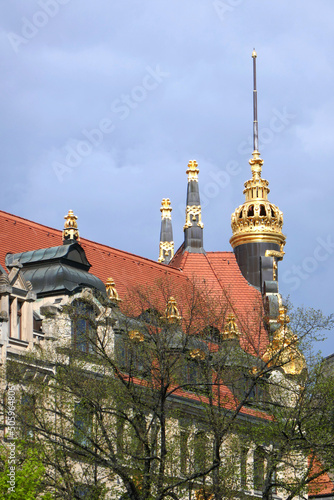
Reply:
x=104 y=103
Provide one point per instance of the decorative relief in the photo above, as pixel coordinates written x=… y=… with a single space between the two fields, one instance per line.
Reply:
x=192 y=212
x=166 y=249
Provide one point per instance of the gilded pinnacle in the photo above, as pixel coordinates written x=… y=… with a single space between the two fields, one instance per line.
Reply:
x=166 y=209
x=193 y=171
x=70 y=231
x=254 y=54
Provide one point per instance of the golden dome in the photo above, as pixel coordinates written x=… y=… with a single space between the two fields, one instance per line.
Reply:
x=257 y=220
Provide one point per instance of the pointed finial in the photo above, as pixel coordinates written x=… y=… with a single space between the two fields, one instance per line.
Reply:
x=166 y=209
x=111 y=291
x=193 y=171
x=254 y=54
x=70 y=232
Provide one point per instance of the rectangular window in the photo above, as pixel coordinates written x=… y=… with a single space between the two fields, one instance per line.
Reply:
x=27 y=412
x=15 y=318
x=19 y=319
x=83 y=423
x=184 y=451
x=200 y=451
x=258 y=469
x=243 y=467
x=83 y=327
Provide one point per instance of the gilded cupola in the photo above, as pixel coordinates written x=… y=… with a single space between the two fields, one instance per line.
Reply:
x=257 y=238
x=257 y=220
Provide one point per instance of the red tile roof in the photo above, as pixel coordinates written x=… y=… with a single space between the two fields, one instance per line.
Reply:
x=219 y=271
x=322 y=485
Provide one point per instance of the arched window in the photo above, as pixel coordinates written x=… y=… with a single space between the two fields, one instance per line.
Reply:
x=83 y=326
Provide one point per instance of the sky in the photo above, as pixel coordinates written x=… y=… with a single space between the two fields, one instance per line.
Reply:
x=104 y=103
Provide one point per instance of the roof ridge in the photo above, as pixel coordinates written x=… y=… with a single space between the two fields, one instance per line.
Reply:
x=89 y=242
x=28 y=221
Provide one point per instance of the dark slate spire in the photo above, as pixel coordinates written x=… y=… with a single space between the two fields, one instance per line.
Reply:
x=166 y=247
x=193 y=228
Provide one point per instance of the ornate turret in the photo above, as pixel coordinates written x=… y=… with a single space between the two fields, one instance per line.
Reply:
x=193 y=228
x=166 y=247
x=70 y=232
x=257 y=238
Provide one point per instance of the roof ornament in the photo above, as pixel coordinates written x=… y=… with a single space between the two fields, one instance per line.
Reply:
x=282 y=352
x=231 y=331
x=192 y=171
x=257 y=220
x=171 y=314
x=112 y=292
x=166 y=247
x=70 y=232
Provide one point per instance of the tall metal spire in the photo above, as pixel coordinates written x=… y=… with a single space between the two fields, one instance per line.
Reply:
x=255 y=122
x=257 y=223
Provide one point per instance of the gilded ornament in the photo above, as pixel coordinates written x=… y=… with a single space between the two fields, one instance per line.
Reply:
x=136 y=335
x=257 y=220
x=197 y=354
x=166 y=248
x=192 y=213
x=202 y=494
x=274 y=253
x=282 y=351
x=166 y=209
x=171 y=312
x=231 y=331
x=70 y=231
x=111 y=291
x=192 y=171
